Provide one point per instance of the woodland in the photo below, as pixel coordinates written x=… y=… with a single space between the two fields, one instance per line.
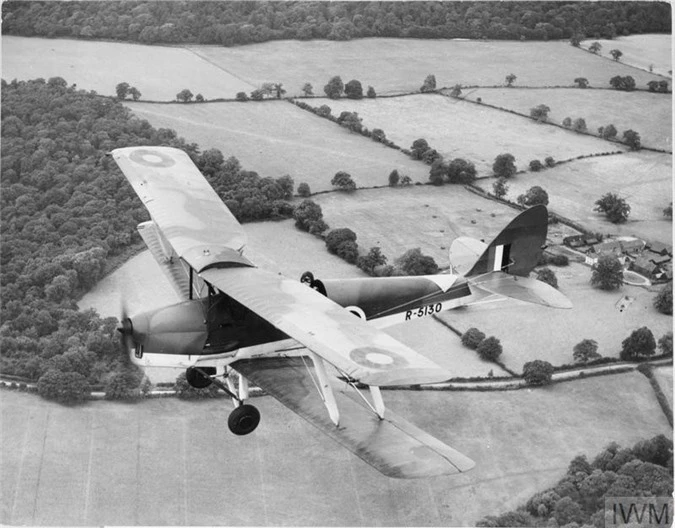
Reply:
x=232 y=23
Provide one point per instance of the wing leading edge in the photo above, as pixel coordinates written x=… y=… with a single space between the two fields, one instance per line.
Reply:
x=392 y=445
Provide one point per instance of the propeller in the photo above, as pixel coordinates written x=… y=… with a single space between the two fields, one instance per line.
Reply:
x=126 y=330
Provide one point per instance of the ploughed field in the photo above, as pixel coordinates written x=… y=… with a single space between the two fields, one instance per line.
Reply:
x=169 y=462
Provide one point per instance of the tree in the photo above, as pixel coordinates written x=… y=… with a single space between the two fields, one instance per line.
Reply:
x=308 y=89
x=63 y=387
x=504 y=166
x=568 y=511
x=134 y=93
x=510 y=78
x=500 y=188
x=461 y=171
x=438 y=172
x=608 y=132
x=413 y=262
x=278 y=88
x=626 y=83
x=575 y=40
x=343 y=181
x=615 y=208
x=241 y=96
x=351 y=120
x=405 y=181
x=616 y=54
x=632 y=139
x=304 y=190
x=394 y=178
x=538 y=372
x=456 y=90
x=472 y=338
x=668 y=211
x=307 y=214
x=336 y=237
x=548 y=276
x=354 y=90
x=372 y=260
x=418 y=148
x=607 y=273
x=540 y=112
x=429 y=84
x=185 y=391
x=199 y=98
x=666 y=344
x=334 y=88
x=640 y=343
x=184 y=95
x=534 y=196
x=124 y=384
x=550 y=162
x=489 y=349
x=580 y=125
x=536 y=165
x=122 y=89
x=663 y=301
x=371 y=93
x=582 y=82
x=567 y=122
x=586 y=350
x=323 y=111
x=595 y=47
x=378 y=135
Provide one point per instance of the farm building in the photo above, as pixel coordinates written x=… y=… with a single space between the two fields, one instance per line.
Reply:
x=660 y=248
x=611 y=247
x=644 y=267
x=632 y=245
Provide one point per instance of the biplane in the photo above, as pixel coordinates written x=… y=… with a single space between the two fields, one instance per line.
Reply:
x=322 y=354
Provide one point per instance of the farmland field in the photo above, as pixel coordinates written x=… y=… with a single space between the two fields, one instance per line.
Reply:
x=169 y=462
x=276 y=138
x=395 y=65
x=462 y=130
x=158 y=72
x=644 y=179
x=641 y=51
x=664 y=375
x=647 y=113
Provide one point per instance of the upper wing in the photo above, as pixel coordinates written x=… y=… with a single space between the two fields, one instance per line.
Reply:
x=180 y=201
x=392 y=445
x=341 y=338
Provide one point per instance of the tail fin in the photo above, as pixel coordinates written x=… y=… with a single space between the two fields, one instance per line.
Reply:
x=517 y=248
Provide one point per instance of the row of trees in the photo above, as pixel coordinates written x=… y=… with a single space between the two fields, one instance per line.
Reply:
x=235 y=23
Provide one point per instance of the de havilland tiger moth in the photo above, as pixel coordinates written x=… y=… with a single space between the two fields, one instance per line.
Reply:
x=322 y=354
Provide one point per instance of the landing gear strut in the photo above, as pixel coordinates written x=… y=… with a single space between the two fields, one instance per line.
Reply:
x=244 y=418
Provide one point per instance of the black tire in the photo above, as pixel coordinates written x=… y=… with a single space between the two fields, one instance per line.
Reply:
x=243 y=420
x=196 y=379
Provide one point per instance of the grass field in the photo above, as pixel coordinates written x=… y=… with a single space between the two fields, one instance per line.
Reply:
x=277 y=138
x=168 y=462
x=158 y=72
x=462 y=130
x=647 y=113
x=394 y=65
x=664 y=376
x=641 y=51
x=644 y=179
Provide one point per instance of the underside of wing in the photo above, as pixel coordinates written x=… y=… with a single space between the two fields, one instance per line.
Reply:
x=182 y=204
x=521 y=288
x=393 y=446
x=355 y=348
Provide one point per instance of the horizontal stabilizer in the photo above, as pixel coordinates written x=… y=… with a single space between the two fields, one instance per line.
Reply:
x=393 y=446
x=521 y=289
x=464 y=252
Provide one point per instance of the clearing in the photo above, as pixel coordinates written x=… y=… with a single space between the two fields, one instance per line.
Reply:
x=649 y=114
x=643 y=178
x=401 y=65
x=476 y=133
x=158 y=72
x=274 y=138
x=170 y=462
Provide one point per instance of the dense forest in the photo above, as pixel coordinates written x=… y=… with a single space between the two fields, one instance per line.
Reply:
x=66 y=210
x=231 y=23
x=578 y=499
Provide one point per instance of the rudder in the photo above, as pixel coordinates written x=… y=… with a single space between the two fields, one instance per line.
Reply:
x=517 y=248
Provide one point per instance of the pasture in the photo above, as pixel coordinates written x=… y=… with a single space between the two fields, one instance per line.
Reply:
x=640 y=51
x=649 y=114
x=476 y=133
x=169 y=462
x=275 y=138
x=644 y=179
x=158 y=72
x=401 y=65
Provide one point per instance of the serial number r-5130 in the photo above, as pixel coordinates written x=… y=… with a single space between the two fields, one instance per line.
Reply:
x=423 y=311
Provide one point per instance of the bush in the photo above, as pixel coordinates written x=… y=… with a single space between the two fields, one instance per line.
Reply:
x=371 y=93
x=63 y=387
x=306 y=214
x=394 y=178
x=348 y=251
x=663 y=301
x=550 y=162
x=536 y=165
x=640 y=343
x=534 y=196
x=538 y=372
x=304 y=190
x=124 y=385
x=666 y=344
x=461 y=171
x=472 y=338
x=337 y=237
x=323 y=111
x=489 y=349
x=546 y=275
x=187 y=392
x=429 y=84
x=343 y=181
x=413 y=262
x=378 y=135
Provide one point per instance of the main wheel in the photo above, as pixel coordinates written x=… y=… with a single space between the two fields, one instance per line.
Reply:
x=244 y=419
x=196 y=379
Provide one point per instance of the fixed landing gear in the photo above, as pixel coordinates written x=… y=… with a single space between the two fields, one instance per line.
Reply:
x=245 y=417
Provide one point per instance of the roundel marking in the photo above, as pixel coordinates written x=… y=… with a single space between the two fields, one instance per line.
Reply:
x=152 y=158
x=377 y=358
